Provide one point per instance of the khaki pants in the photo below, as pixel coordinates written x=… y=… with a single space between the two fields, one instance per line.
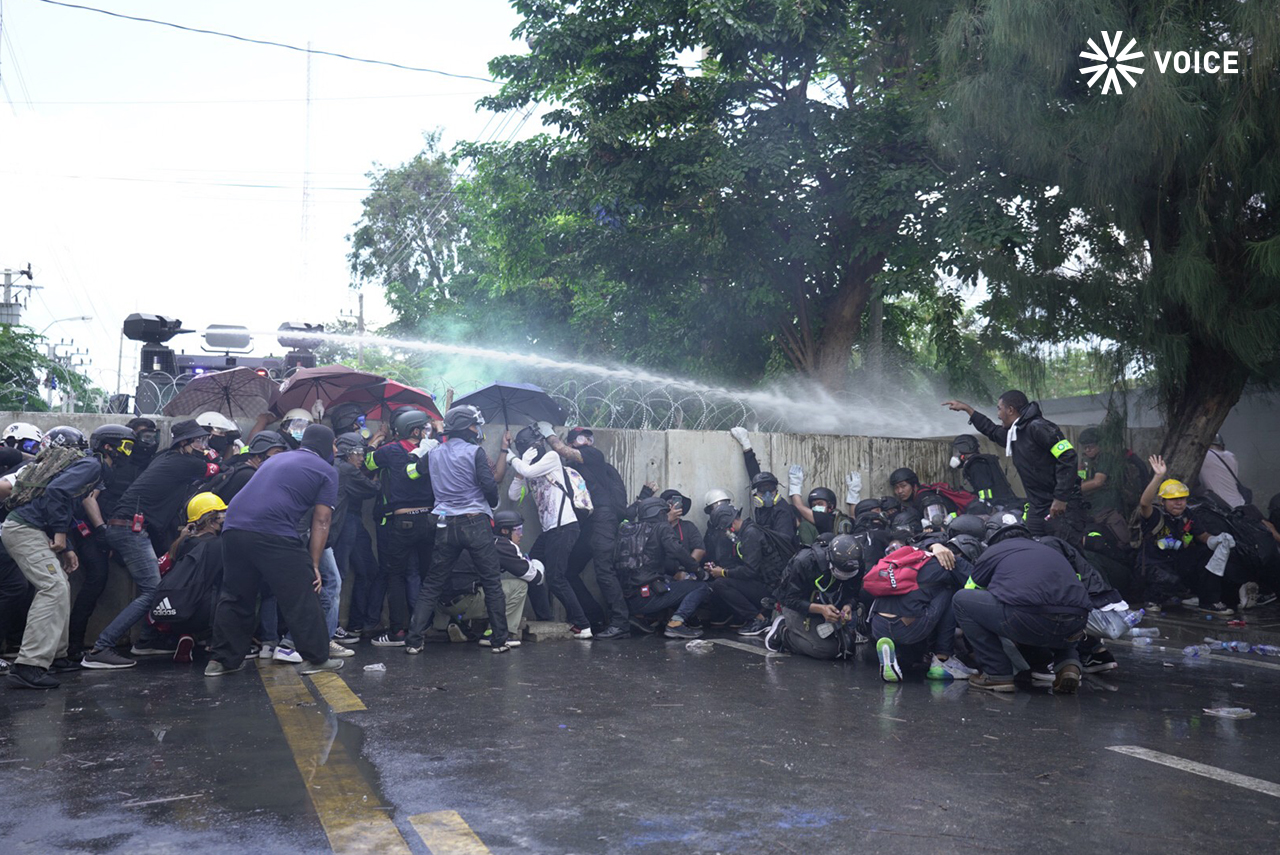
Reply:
x=48 y=620
x=472 y=607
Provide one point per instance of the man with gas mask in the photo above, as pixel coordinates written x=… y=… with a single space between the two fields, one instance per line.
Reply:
x=818 y=599
x=540 y=472
x=982 y=473
x=741 y=586
x=408 y=499
x=146 y=442
x=223 y=434
x=768 y=507
x=140 y=524
x=465 y=496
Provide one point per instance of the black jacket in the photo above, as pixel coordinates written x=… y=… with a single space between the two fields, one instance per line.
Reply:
x=985 y=476
x=807 y=579
x=782 y=517
x=761 y=559
x=1031 y=576
x=660 y=544
x=1041 y=454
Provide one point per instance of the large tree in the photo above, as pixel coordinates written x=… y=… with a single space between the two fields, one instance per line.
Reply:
x=1147 y=219
x=754 y=159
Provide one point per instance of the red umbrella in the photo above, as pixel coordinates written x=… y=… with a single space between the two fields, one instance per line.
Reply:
x=380 y=401
x=326 y=383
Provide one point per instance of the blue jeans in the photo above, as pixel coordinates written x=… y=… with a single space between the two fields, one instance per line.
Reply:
x=330 y=589
x=937 y=625
x=985 y=620
x=134 y=551
x=684 y=596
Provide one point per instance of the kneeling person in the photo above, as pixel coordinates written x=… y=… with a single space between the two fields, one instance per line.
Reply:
x=643 y=547
x=819 y=591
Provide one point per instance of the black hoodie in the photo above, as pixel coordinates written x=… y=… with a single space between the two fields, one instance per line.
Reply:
x=1041 y=454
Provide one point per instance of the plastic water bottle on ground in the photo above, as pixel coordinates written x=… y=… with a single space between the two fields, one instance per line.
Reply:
x=1144 y=632
x=1142 y=641
x=1195 y=651
x=1135 y=617
x=700 y=646
x=1266 y=649
x=376 y=666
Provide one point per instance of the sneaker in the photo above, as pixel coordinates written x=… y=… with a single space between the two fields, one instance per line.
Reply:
x=217 y=669
x=1189 y=602
x=982 y=681
x=340 y=635
x=254 y=650
x=183 y=654
x=950 y=669
x=612 y=633
x=318 y=667
x=1042 y=675
x=890 y=671
x=680 y=630
x=1248 y=595
x=758 y=626
x=859 y=638
x=337 y=651
x=64 y=665
x=4 y=667
x=456 y=634
x=107 y=659
x=776 y=638
x=1221 y=609
x=390 y=639
x=583 y=633
x=1068 y=680
x=502 y=648
x=151 y=650
x=1098 y=661
x=410 y=650
x=31 y=677
x=1266 y=598
x=645 y=626
x=286 y=654
x=266 y=651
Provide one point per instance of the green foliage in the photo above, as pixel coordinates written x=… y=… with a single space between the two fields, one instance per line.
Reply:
x=24 y=367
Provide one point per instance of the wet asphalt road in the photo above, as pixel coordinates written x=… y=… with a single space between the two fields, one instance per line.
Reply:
x=639 y=746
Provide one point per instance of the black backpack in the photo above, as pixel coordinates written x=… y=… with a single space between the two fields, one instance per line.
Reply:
x=629 y=549
x=184 y=599
x=1255 y=548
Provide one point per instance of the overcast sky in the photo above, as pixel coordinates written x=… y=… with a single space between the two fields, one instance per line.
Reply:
x=126 y=148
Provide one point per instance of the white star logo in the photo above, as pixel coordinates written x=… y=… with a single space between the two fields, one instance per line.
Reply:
x=1112 y=73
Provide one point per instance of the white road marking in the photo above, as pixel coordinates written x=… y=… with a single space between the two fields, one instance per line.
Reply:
x=750 y=648
x=1256 y=784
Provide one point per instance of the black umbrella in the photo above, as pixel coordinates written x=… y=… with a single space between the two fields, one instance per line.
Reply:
x=521 y=402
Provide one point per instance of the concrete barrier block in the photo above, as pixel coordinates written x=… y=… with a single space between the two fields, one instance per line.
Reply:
x=546 y=630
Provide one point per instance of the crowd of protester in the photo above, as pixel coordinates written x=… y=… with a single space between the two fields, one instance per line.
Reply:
x=240 y=547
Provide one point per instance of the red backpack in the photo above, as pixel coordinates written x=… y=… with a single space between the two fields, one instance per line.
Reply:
x=961 y=498
x=896 y=573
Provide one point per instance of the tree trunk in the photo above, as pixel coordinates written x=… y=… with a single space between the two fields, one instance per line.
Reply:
x=1211 y=387
x=842 y=324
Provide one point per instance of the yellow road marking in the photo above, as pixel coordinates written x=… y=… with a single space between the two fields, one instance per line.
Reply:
x=336 y=693
x=346 y=804
x=447 y=833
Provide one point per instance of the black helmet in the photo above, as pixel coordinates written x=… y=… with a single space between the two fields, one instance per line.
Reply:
x=763 y=478
x=527 y=438
x=348 y=443
x=345 y=417
x=845 y=554
x=890 y=505
x=113 y=435
x=966 y=524
x=722 y=516
x=670 y=496
x=907 y=520
x=65 y=436
x=1090 y=436
x=822 y=494
x=1004 y=526
x=406 y=421
x=265 y=440
x=978 y=509
x=903 y=474
x=866 y=506
x=965 y=443
x=462 y=417
x=507 y=520
x=967 y=545
x=651 y=509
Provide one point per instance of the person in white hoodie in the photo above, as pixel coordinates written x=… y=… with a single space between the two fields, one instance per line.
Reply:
x=540 y=473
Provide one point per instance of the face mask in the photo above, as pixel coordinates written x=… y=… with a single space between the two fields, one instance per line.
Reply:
x=296 y=434
x=954 y=462
x=146 y=445
x=220 y=444
x=824 y=521
x=765 y=500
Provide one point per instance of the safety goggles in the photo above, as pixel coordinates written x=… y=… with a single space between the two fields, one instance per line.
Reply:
x=518 y=530
x=26 y=446
x=125 y=447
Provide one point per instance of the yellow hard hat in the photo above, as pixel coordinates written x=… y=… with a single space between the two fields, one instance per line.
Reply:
x=1174 y=489
x=203 y=503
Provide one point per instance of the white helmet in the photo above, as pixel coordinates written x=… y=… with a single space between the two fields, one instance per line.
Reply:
x=716 y=496
x=295 y=422
x=23 y=436
x=297 y=413
x=216 y=421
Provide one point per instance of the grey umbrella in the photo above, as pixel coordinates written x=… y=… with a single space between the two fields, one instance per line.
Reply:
x=236 y=393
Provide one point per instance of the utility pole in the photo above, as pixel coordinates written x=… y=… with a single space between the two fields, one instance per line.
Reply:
x=360 y=332
x=11 y=309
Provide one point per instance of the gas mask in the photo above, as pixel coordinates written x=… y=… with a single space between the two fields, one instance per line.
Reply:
x=220 y=444
x=954 y=462
x=144 y=448
x=765 y=500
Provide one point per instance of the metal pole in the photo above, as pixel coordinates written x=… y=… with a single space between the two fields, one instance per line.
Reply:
x=360 y=332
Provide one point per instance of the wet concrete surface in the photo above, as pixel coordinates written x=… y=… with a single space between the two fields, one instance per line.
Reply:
x=643 y=746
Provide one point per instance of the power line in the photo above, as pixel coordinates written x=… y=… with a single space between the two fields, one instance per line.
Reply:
x=260 y=100
x=268 y=43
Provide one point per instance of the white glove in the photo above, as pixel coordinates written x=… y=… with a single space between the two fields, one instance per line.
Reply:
x=423 y=447
x=546 y=429
x=795 y=479
x=1217 y=540
x=853 y=488
x=530 y=455
x=740 y=434
x=536 y=572
x=511 y=456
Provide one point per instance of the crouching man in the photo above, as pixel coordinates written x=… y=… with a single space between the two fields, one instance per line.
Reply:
x=819 y=594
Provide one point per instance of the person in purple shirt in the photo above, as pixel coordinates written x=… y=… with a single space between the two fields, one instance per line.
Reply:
x=261 y=544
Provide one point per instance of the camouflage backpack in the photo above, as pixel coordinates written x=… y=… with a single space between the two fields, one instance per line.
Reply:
x=35 y=477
